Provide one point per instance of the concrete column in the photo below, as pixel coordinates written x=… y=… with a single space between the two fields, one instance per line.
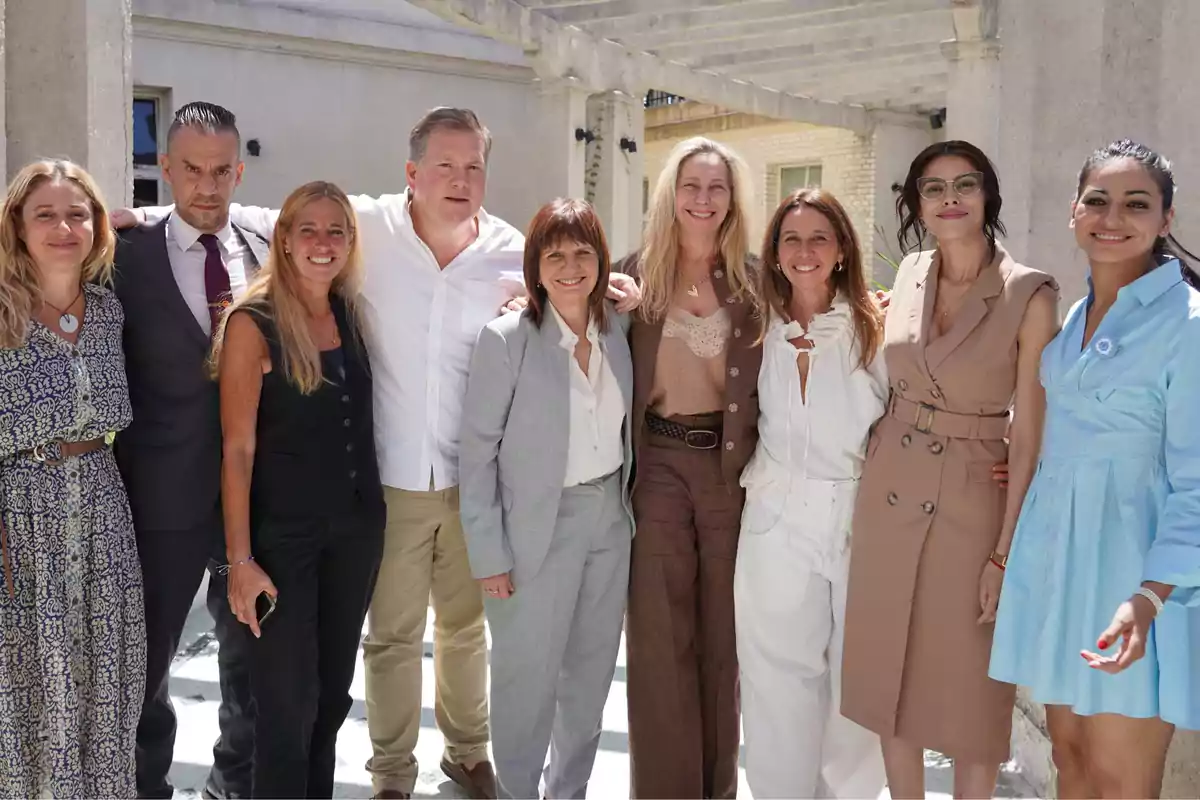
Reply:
x=3 y=76
x=68 y=87
x=561 y=109
x=974 y=60
x=974 y=92
x=614 y=170
x=894 y=146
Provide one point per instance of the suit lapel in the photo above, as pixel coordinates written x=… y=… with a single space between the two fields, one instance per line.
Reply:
x=555 y=372
x=159 y=259
x=616 y=350
x=920 y=320
x=258 y=249
x=975 y=307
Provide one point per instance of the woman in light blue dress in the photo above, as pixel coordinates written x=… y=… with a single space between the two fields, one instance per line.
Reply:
x=1098 y=615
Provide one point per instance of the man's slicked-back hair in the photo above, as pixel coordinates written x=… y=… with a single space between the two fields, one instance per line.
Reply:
x=450 y=119
x=207 y=117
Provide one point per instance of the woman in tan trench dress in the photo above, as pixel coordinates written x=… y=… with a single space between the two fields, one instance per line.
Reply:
x=962 y=342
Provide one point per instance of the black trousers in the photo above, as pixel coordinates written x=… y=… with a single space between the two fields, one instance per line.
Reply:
x=302 y=666
x=173 y=565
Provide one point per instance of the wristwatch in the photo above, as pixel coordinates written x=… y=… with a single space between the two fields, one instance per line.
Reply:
x=999 y=560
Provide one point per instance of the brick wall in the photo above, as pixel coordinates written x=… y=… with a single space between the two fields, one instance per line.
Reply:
x=846 y=160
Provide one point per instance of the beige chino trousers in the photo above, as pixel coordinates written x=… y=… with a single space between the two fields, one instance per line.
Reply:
x=424 y=561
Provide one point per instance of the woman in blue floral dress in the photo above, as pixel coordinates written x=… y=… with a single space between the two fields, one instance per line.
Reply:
x=72 y=631
x=1098 y=615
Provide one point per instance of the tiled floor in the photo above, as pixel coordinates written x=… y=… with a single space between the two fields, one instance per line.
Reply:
x=196 y=694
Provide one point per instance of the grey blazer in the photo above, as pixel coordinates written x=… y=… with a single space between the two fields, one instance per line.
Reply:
x=512 y=456
x=170 y=456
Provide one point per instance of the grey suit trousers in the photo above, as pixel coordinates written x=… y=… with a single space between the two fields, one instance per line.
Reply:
x=554 y=647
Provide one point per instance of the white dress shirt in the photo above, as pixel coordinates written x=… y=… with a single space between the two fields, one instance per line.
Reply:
x=421 y=323
x=594 y=447
x=187 y=255
x=821 y=435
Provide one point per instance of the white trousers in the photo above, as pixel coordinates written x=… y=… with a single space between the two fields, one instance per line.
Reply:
x=790 y=605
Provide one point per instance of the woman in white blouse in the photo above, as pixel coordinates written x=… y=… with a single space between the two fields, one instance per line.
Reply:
x=544 y=463
x=821 y=388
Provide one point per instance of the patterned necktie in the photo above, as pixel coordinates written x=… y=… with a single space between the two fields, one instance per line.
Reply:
x=216 y=279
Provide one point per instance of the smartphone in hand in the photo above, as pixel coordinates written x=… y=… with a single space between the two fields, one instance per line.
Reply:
x=264 y=607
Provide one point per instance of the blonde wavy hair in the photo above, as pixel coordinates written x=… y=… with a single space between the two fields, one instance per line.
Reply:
x=20 y=279
x=275 y=293
x=659 y=256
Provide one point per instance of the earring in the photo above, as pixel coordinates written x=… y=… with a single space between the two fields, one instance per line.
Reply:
x=838 y=267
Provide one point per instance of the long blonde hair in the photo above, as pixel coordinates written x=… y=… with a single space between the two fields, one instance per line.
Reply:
x=20 y=280
x=275 y=292
x=660 y=240
x=776 y=290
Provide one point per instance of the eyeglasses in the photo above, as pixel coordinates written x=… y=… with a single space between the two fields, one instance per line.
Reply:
x=965 y=185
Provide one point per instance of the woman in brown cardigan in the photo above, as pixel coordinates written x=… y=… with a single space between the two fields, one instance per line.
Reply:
x=695 y=415
x=963 y=338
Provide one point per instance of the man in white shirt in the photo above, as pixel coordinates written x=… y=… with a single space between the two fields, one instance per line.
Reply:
x=438 y=268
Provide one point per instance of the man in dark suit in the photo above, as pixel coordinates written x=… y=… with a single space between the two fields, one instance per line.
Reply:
x=173 y=278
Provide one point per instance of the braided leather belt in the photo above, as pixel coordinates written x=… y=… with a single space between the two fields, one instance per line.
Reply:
x=695 y=438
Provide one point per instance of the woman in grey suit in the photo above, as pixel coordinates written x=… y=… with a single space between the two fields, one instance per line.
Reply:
x=544 y=465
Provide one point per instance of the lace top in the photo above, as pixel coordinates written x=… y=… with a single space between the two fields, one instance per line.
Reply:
x=689 y=377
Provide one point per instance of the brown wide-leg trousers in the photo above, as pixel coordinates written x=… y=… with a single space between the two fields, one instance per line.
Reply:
x=680 y=646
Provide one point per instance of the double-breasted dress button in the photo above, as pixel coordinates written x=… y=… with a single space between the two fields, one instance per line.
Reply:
x=936 y=448
x=905 y=440
x=729 y=445
x=892 y=498
x=346 y=423
x=734 y=372
x=353 y=474
x=903 y=384
x=345 y=398
x=733 y=407
x=936 y=394
x=927 y=507
x=350 y=447
x=737 y=333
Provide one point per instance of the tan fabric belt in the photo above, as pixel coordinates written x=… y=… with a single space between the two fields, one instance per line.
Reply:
x=42 y=456
x=929 y=419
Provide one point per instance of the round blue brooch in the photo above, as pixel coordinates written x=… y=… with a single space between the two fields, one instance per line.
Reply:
x=1105 y=347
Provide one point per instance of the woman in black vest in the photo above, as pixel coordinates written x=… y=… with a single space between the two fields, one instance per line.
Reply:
x=303 y=504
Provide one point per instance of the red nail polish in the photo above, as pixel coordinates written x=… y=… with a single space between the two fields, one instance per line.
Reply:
x=1103 y=644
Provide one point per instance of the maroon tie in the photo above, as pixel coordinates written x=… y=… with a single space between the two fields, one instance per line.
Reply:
x=216 y=279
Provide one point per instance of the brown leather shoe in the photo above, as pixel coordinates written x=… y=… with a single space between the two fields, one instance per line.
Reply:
x=479 y=781
x=392 y=794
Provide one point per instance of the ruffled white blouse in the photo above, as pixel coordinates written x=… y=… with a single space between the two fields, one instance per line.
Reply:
x=821 y=433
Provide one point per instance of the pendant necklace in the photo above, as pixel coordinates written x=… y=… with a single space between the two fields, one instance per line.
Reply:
x=68 y=323
x=694 y=291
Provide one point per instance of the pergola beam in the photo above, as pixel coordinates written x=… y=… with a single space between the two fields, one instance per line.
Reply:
x=863 y=53
x=653 y=30
x=911 y=29
x=604 y=65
